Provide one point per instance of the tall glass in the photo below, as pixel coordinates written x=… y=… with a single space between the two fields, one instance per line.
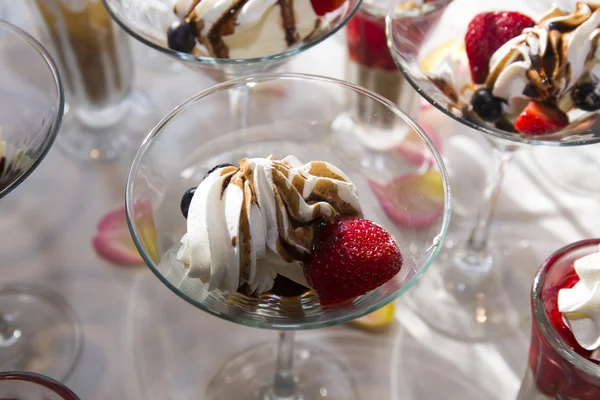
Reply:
x=370 y=63
x=555 y=370
x=95 y=60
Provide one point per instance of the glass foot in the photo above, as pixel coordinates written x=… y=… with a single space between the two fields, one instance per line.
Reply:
x=249 y=375
x=577 y=170
x=475 y=300
x=110 y=134
x=38 y=332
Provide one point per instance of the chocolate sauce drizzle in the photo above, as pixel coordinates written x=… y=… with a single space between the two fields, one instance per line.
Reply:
x=550 y=73
x=227 y=24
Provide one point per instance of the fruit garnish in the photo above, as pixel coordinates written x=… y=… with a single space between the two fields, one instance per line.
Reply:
x=586 y=96
x=186 y=200
x=367 y=42
x=376 y=321
x=488 y=107
x=434 y=58
x=540 y=119
x=413 y=148
x=113 y=241
x=323 y=7
x=413 y=200
x=181 y=36
x=351 y=256
x=486 y=33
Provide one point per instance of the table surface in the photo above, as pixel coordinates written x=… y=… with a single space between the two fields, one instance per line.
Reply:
x=141 y=339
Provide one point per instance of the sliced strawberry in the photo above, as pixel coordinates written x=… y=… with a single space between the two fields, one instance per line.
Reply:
x=486 y=33
x=352 y=256
x=540 y=119
x=323 y=7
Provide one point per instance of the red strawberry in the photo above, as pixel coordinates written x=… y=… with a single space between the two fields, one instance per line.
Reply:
x=323 y=7
x=539 y=119
x=352 y=256
x=486 y=33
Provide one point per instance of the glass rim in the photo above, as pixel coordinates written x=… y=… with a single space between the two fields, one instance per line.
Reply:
x=60 y=101
x=42 y=380
x=230 y=61
x=496 y=133
x=541 y=318
x=232 y=84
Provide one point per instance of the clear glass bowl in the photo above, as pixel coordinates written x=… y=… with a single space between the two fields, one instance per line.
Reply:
x=148 y=21
x=311 y=118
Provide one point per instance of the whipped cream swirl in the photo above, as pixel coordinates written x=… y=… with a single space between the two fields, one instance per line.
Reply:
x=547 y=60
x=249 y=28
x=246 y=224
x=580 y=305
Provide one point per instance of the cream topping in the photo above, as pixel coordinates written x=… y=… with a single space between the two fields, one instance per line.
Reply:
x=580 y=304
x=246 y=224
x=547 y=60
x=249 y=28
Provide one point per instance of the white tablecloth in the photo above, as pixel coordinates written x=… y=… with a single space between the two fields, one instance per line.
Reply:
x=139 y=336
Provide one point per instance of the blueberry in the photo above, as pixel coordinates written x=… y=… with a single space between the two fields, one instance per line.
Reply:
x=488 y=107
x=181 y=36
x=586 y=96
x=186 y=200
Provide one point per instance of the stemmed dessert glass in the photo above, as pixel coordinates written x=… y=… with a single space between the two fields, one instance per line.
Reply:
x=203 y=132
x=148 y=21
x=473 y=296
x=555 y=370
x=28 y=385
x=31 y=110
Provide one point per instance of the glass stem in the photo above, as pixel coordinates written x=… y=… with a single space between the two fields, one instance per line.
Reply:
x=476 y=253
x=284 y=386
x=8 y=336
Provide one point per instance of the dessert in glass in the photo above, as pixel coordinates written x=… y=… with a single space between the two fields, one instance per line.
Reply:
x=565 y=336
x=106 y=117
x=17 y=385
x=228 y=39
x=276 y=225
x=31 y=109
x=525 y=74
x=370 y=63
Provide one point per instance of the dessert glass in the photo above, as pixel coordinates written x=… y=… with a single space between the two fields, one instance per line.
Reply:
x=471 y=298
x=31 y=109
x=17 y=385
x=106 y=117
x=203 y=132
x=555 y=370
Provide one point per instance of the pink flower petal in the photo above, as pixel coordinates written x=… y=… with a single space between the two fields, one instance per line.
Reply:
x=411 y=200
x=113 y=241
x=414 y=150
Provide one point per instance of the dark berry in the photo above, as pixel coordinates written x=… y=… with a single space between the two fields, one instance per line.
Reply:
x=586 y=96
x=488 y=107
x=186 y=201
x=216 y=167
x=181 y=36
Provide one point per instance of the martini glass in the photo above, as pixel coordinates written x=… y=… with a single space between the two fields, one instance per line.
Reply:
x=201 y=133
x=16 y=385
x=148 y=21
x=478 y=292
x=38 y=330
